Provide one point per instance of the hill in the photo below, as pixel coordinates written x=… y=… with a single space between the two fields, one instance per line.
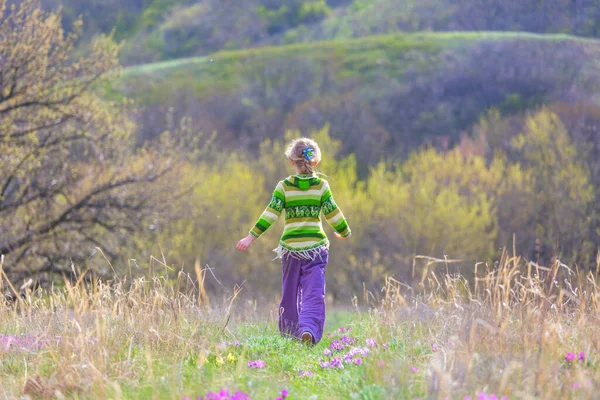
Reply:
x=403 y=89
x=155 y=30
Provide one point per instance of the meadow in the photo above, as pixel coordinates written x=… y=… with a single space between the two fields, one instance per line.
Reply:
x=515 y=331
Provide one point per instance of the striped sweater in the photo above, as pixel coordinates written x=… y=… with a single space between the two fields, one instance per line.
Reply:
x=303 y=197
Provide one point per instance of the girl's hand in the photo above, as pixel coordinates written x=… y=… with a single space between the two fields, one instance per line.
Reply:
x=245 y=243
x=337 y=235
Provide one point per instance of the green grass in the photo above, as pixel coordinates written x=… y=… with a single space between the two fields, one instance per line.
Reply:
x=362 y=58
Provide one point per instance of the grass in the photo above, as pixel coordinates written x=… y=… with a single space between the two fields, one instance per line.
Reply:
x=506 y=333
x=364 y=59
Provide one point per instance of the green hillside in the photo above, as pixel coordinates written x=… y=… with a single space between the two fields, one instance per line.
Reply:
x=364 y=58
x=404 y=89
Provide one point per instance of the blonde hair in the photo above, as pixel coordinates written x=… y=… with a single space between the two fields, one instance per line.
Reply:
x=295 y=152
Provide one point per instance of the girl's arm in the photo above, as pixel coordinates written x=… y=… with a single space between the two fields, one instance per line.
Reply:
x=333 y=214
x=267 y=218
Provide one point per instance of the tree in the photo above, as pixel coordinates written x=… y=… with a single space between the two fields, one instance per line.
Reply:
x=70 y=179
x=560 y=185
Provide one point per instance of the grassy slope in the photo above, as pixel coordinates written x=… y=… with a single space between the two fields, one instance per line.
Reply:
x=362 y=58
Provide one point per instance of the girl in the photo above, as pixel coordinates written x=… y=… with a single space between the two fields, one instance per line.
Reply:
x=304 y=247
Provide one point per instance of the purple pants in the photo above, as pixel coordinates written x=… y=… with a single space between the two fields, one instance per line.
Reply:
x=302 y=307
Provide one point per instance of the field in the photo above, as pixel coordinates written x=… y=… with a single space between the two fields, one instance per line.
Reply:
x=517 y=330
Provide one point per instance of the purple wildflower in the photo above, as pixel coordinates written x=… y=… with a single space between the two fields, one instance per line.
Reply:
x=364 y=351
x=324 y=364
x=327 y=352
x=570 y=356
x=414 y=369
x=337 y=362
x=336 y=345
x=304 y=374
x=284 y=393
x=576 y=385
x=358 y=361
x=371 y=342
x=581 y=356
x=347 y=340
x=434 y=347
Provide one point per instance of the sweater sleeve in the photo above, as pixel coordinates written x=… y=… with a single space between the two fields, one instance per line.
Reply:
x=271 y=213
x=333 y=214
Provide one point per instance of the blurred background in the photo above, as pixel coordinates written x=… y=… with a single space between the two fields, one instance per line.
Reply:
x=146 y=136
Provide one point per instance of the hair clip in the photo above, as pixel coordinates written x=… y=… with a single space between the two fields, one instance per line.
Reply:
x=309 y=153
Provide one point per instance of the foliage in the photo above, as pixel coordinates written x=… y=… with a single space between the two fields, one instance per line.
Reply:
x=561 y=186
x=70 y=179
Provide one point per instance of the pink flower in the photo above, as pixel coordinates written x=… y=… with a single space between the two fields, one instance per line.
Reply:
x=371 y=342
x=284 y=393
x=328 y=335
x=256 y=364
x=434 y=347
x=581 y=356
x=576 y=385
x=570 y=356
x=466 y=398
x=304 y=374
x=413 y=369
x=327 y=352
x=358 y=361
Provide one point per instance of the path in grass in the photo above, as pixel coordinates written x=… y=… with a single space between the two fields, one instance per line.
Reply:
x=356 y=359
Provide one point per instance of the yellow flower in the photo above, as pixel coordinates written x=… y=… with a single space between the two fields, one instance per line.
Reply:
x=220 y=360
x=231 y=358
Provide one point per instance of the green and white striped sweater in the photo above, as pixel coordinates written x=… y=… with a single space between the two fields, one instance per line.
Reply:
x=303 y=197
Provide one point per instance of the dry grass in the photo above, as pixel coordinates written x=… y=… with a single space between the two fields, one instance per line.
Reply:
x=506 y=331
